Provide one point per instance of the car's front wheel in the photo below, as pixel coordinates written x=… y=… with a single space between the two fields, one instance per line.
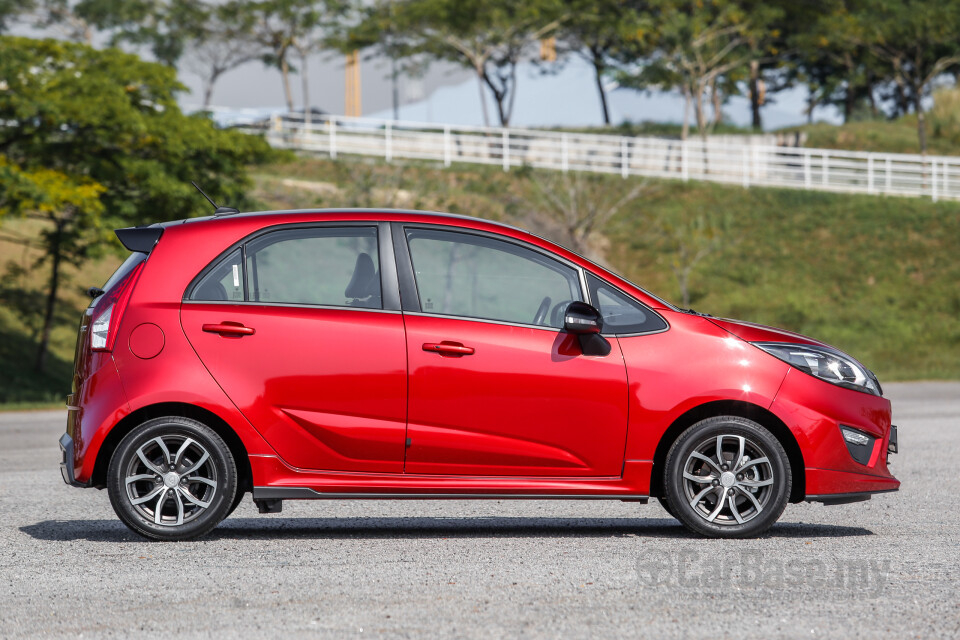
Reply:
x=172 y=478
x=727 y=477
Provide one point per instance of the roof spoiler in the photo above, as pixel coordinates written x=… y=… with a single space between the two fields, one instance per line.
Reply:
x=141 y=239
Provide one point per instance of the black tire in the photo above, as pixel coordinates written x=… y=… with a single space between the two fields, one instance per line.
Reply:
x=722 y=459
x=172 y=478
x=236 y=502
x=666 y=505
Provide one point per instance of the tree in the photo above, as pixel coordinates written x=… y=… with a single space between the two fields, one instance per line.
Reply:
x=696 y=43
x=690 y=237
x=918 y=39
x=575 y=208
x=598 y=32
x=12 y=10
x=488 y=36
x=767 y=38
x=223 y=41
x=292 y=26
x=94 y=140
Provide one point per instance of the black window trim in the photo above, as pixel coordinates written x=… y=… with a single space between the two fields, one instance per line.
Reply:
x=411 y=298
x=390 y=292
x=408 y=284
x=666 y=325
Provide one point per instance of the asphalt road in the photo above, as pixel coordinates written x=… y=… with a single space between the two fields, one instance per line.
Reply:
x=447 y=569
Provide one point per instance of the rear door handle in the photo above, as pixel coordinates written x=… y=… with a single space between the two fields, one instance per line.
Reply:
x=229 y=329
x=448 y=348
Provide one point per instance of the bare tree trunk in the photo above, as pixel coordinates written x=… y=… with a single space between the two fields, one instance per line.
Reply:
x=208 y=87
x=699 y=112
x=285 y=73
x=849 y=101
x=43 y=348
x=598 y=68
x=902 y=102
x=305 y=88
x=207 y=94
x=755 y=94
x=717 y=100
x=513 y=94
x=500 y=97
x=685 y=130
x=483 y=97
x=921 y=121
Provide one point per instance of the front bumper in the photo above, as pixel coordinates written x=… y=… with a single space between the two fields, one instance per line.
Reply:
x=814 y=410
x=66 y=461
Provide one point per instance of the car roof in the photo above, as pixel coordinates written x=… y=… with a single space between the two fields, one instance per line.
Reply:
x=399 y=215
x=384 y=213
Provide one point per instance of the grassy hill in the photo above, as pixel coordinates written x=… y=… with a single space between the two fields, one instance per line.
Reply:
x=874 y=276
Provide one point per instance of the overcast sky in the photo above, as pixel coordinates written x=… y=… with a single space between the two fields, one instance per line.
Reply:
x=449 y=93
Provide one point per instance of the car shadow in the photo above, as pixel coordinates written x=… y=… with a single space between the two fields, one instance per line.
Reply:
x=278 y=528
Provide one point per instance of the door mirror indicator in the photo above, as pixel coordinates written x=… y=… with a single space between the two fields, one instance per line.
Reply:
x=582 y=319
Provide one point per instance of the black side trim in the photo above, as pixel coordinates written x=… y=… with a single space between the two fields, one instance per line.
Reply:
x=141 y=239
x=303 y=493
x=409 y=296
x=389 y=285
x=845 y=498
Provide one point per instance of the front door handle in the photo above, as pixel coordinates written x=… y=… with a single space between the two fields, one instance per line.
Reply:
x=446 y=348
x=229 y=329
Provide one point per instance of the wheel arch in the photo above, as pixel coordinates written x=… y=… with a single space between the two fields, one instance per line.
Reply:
x=205 y=416
x=758 y=414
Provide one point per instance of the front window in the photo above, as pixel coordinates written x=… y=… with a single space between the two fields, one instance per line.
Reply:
x=472 y=276
x=621 y=313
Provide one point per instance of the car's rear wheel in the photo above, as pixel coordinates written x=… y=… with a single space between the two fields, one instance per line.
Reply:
x=172 y=478
x=727 y=477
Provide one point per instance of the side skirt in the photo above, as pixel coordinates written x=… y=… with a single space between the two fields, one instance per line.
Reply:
x=304 y=493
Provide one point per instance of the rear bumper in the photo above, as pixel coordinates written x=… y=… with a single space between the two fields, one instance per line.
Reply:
x=66 y=461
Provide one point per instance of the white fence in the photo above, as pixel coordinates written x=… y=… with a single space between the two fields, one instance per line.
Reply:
x=745 y=164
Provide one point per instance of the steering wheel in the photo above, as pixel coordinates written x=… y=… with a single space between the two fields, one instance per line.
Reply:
x=542 y=311
x=556 y=316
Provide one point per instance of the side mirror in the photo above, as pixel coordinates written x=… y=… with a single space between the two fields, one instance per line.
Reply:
x=582 y=319
x=586 y=323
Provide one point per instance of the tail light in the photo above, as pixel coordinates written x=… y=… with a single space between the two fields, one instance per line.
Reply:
x=109 y=310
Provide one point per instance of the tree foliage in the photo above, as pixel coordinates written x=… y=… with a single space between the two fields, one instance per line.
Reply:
x=93 y=140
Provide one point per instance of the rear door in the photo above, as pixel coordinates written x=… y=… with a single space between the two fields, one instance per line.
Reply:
x=301 y=328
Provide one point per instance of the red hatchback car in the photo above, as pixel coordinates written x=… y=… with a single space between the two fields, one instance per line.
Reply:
x=402 y=354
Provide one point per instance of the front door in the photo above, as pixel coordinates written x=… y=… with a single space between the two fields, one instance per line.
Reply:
x=297 y=337
x=496 y=386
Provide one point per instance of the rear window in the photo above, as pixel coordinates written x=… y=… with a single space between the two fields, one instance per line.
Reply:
x=321 y=266
x=132 y=261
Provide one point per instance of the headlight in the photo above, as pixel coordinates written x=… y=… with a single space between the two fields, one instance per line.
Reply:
x=827 y=364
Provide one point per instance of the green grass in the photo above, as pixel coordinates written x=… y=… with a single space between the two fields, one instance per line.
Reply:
x=871 y=275
x=882 y=136
x=649 y=128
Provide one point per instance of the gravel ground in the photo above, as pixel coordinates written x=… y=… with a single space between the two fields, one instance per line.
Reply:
x=884 y=568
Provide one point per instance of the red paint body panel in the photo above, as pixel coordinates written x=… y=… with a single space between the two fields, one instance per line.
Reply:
x=691 y=364
x=325 y=398
x=526 y=402
x=814 y=411
x=327 y=388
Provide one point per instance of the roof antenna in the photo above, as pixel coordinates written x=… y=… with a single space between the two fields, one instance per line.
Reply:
x=217 y=209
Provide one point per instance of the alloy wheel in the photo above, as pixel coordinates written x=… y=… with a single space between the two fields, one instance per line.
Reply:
x=171 y=480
